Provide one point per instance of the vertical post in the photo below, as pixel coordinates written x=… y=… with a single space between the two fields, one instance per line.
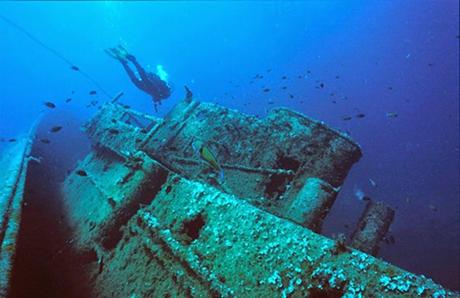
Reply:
x=312 y=203
x=372 y=227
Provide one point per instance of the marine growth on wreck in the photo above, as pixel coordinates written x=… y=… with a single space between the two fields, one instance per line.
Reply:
x=149 y=217
x=240 y=149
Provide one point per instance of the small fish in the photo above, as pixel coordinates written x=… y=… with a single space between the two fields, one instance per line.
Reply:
x=346 y=118
x=93 y=92
x=392 y=239
x=75 y=68
x=360 y=115
x=284 y=87
x=68 y=100
x=114 y=131
x=372 y=182
x=299 y=76
x=271 y=102
x=433 y=208
x=360 y=194
x=321 y=85
x=334 y=101
x=269 y=70
x=284 y=77
x=55 y=128
x=45 y=141
x=291 y=96
x=266 y=90
x=390 y=88
x=337 y=77
x=392 y=115
x=49 y=104
x=92 y=103
x=81 y=173
x=12 y=140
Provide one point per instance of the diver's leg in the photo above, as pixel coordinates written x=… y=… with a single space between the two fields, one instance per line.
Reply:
x=139 y=68
x=132 y=75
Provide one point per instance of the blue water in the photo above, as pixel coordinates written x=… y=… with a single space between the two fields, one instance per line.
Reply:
x=372 y=57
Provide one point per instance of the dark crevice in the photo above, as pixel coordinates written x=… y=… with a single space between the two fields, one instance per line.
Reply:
x=325 y=293
x=276 y=184
x=192 y=228
x=287 y=163
x=150 y=188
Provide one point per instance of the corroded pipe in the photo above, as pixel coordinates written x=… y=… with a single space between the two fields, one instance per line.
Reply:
x=312 y=203
x=372 y=227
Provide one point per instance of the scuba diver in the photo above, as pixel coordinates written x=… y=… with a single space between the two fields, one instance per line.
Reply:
x=155 y=85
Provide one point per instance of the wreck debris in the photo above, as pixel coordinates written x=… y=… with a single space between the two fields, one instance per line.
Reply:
x=239 y=250
x=312 y=203
x=158 y=207
x=372 y=227
x=117 y=97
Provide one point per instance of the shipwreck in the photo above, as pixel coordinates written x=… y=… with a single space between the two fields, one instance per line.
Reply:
x=148 y=218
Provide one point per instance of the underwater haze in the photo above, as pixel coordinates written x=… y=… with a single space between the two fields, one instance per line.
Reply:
x=384 y=72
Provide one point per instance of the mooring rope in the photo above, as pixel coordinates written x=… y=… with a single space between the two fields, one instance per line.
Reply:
x=55 y=53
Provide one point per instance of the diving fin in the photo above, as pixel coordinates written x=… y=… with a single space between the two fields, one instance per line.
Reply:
x=188 y=94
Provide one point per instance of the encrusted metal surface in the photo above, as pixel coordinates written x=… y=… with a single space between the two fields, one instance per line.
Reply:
x=163 y=224
x=222 y=246
x=13 y=162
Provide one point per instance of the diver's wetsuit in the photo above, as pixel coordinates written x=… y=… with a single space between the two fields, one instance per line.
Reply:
x=148 y=82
